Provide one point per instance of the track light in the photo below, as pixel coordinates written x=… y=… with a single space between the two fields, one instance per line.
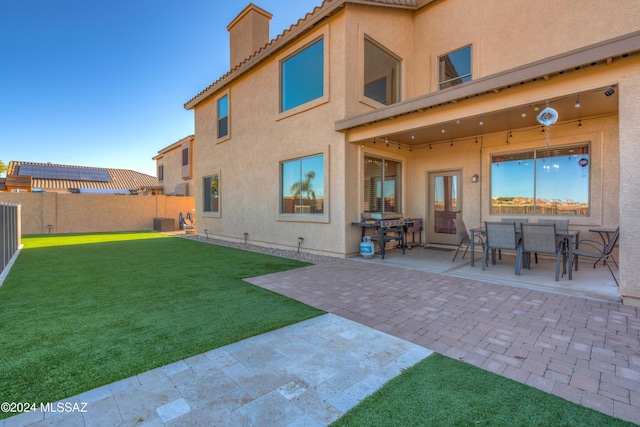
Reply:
x=578 y=102
x=610 y=91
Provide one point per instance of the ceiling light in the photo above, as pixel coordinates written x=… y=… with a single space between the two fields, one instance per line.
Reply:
x=610 y=91
x=578 y=102
x=481 y=121
x=524 y=112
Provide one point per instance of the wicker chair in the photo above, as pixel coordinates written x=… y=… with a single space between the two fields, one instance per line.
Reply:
x=541 y=239
x=599 y=251
x=463 y=238
x=500 y=235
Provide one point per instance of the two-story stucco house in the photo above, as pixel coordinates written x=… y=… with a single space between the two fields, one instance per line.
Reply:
x=431 y=109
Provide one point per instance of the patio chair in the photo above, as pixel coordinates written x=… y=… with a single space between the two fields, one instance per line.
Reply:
x=517 y=222
x=598 y=251
x=463 y=238
x=562 y=226
x=541 y=238
x=500 y=235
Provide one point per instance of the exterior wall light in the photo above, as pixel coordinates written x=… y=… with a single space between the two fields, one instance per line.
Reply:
x=475 y=178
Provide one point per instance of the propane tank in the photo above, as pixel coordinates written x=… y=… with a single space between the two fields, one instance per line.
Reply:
x=366 y=247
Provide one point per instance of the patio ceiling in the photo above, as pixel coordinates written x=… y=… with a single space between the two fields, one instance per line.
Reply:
x=495 y=103
x=592 y=104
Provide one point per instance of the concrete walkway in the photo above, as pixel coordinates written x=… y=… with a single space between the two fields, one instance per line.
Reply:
x=582 y=350
x=307 y=374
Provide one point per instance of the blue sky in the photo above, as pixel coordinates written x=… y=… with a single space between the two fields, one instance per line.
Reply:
x=103 y=83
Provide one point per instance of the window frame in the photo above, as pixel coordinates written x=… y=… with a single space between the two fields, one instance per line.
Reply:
x=440 y=83
x=520 y=155
x=160 y=172
x=395 y=85
x=206 y=186
x=221 y=138
x=289 y=53
x=185 y=156
x=282 y=189
x=382 y=178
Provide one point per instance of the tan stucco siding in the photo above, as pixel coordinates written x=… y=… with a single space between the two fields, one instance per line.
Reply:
x=629 y=193
x=248 y=163
x=506 y=34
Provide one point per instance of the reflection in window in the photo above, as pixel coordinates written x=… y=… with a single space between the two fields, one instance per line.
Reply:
x=381 y=74
x=223 y=116
x=454 y=68
x=550 y=181
x=211 y=194
x=302 y=76
x=302 y=187
x=382 y=185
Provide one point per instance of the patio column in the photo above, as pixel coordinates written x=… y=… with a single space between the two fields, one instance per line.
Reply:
x=629 y=128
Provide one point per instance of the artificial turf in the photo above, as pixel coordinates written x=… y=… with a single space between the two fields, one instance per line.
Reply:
x=81 y=311
x=440 y=391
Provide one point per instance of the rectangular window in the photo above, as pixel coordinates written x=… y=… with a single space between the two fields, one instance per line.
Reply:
x=382 y=185
x=302 y=77
x=160 y=172
x=549 y=181
x=454 y=68
x=223 y=116
x=211 y=194
x=302 y=185
x=381 y=74
x=185 y=156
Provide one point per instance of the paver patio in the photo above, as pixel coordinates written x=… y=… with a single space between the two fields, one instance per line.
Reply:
x=583 y=350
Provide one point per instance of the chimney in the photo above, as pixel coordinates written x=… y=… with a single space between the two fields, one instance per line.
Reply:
x=248 y=32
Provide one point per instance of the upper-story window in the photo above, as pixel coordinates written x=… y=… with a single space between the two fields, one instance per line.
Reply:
x=160 y=172
x=381 y=74
x=302 y=76
x=223 y=116
x=454 y=68
x=185 y=156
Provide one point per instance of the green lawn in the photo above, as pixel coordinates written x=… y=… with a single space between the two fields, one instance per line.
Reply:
x=444 y=392
x=81 y=311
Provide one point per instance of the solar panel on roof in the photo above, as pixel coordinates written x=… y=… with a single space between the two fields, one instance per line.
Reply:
x=65 y=172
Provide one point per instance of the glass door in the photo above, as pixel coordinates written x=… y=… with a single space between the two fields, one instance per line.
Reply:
x=444 y=206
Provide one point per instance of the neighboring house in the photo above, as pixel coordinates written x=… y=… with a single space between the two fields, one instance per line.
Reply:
x=29 y=176
x=175 y=168
x=424 y=109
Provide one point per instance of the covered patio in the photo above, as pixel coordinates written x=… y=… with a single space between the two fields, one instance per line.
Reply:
x=588 y=282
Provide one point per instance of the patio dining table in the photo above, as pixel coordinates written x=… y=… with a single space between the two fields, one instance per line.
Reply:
x=571 y=236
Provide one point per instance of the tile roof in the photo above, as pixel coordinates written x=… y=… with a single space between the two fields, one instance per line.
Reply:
x=327 y=8
x=121 y=179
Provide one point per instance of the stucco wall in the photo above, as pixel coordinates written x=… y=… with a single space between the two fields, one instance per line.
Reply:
x=248 y=162
x=629 y=194
x=507 y=34
x=173 y=170
x=81 y=213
